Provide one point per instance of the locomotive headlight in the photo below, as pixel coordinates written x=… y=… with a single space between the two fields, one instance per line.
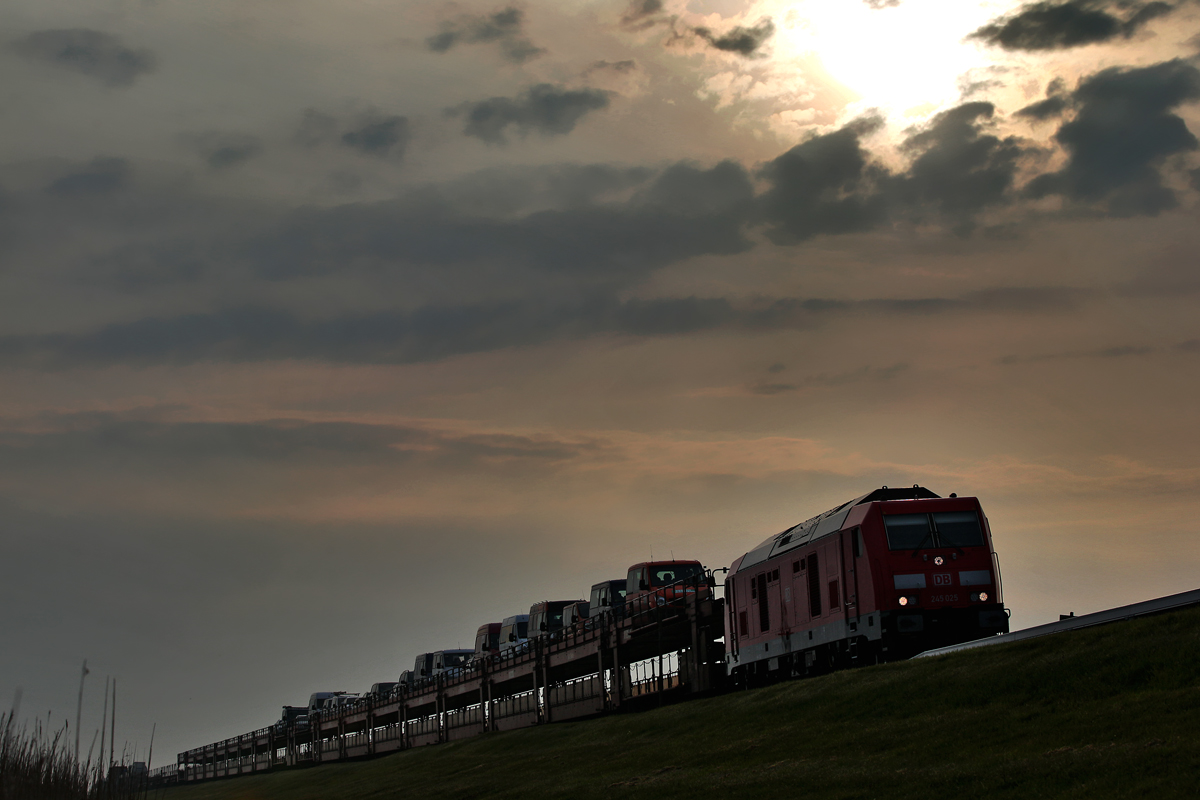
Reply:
x=903 y=601
x=983 y=595
x=939 y=561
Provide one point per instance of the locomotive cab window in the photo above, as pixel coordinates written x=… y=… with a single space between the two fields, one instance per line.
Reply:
x=958 y=529
x=907 y=531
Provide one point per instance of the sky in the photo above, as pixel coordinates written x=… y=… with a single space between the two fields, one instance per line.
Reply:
x=329 y=332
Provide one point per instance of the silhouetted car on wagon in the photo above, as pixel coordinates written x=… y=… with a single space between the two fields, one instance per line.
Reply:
x=658 y=583
x=422 y=669
x=292 y=715
x=575 y=614
x=379 y=691
x=546 y=617
x=514 y=633
x=450 y=662
x=487 y=641
x=328 y=702
x=607 y=596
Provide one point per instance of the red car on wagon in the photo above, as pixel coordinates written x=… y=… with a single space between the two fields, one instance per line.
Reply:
x=657 y=583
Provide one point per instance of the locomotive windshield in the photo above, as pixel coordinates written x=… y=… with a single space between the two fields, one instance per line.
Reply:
x=958 y=529
x=940 y=529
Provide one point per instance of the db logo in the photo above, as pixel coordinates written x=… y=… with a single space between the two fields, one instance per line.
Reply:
x=941 y=580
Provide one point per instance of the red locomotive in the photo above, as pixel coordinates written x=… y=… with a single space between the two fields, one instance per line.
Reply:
x=880 y=578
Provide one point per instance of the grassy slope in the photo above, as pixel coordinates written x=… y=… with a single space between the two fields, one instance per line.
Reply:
x=1110 y=712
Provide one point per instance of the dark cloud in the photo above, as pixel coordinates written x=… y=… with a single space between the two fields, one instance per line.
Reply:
x=316 y=128
x=546 y=109
x=1122 y=351
x=502 y=28
x=100 y=176
x=830 y=184
x=1052 y=26
x=686 y=211
x=830 y=380
x=379 y=136
x=628 y=65
x=433 y=333
x=1122 y=132
x=741 y=40
x=510 y=192
x=94 y=53
x=427 y=334
x=1049 y=108
x=642 y=14
x=825 y=185
x=586 y=245
x=793 y=312
x=1025 y=299
x=372 y=133
x=691 y=190
x=959 y=169
x=138 y=266
x=147 y=434
x=502 y=231
x=223 y=150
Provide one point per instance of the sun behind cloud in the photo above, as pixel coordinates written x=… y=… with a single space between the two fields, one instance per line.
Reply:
x=901 y=59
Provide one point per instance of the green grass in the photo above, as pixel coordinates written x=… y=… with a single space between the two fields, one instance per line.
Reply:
x=1108 y=712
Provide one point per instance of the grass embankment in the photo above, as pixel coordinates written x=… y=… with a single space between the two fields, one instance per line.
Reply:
x=1108 y=712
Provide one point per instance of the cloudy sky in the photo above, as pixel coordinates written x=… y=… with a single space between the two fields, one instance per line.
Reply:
x=329 y=332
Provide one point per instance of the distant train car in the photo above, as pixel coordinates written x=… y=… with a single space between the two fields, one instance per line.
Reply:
x=514 y=632
x=293 y=715
x=607 y=596
x=655 y=583
x=881 y=577
x=487 y=640
x=546 y=617
x=423 y=666
x=450 y=662
x=318 y=700
x=575 y=614
x=378 y=691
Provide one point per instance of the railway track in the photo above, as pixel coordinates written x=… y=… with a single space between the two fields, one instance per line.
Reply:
x=1146 y=608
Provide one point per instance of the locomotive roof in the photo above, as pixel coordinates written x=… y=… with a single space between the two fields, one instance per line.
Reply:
x=824 y=524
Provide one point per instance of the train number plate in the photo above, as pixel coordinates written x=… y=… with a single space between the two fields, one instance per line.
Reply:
x=944 y=598
x=941 y=579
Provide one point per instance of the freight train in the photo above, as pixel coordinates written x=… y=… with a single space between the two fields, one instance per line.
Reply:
x=881 y=577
